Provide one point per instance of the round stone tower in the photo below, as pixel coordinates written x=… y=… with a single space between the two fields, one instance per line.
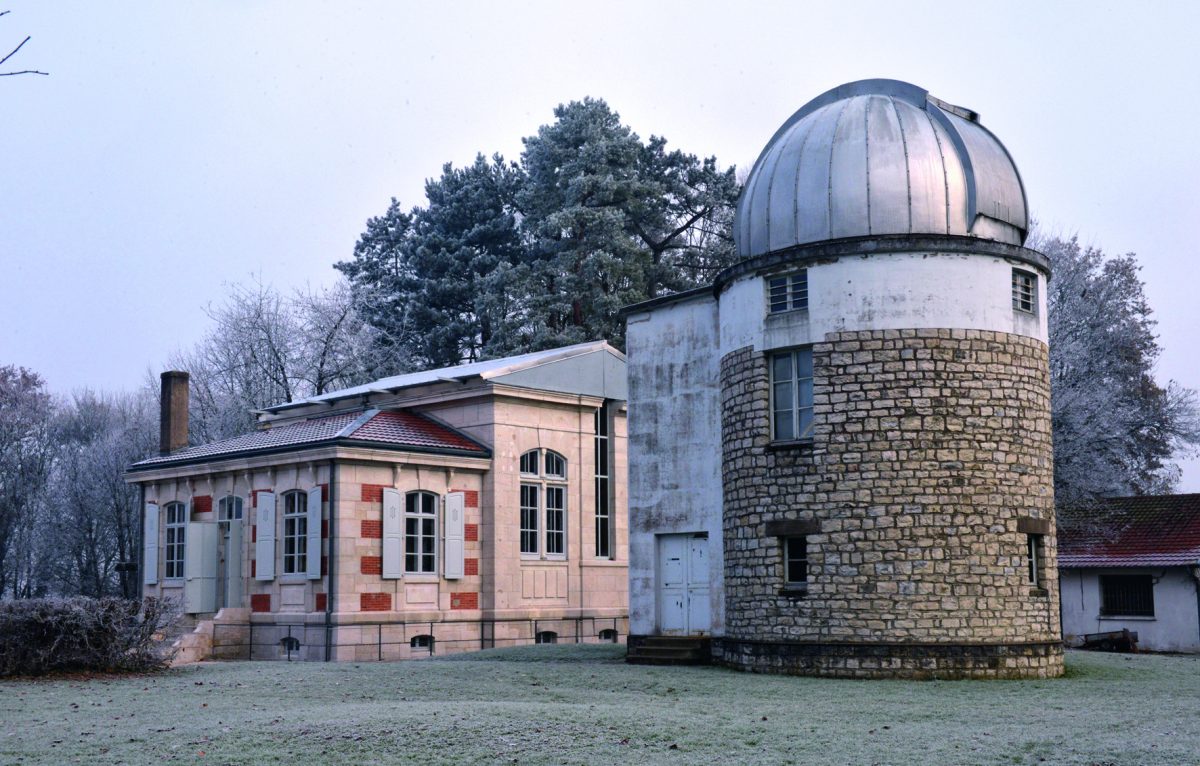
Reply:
x=885 y=401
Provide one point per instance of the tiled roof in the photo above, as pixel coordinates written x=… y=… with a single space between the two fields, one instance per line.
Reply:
x=1147 y=531
x=397 y=430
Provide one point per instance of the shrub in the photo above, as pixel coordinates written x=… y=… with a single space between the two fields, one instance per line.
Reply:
x=49 y=635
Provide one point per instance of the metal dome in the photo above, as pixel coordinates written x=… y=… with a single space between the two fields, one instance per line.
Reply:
x=878 y=157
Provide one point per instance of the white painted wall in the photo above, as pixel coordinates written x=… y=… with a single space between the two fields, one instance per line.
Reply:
x=674 y=445
x=1175 y=626
x=883 y=292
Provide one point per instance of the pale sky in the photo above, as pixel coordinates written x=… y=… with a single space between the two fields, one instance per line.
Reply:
x=177 y=147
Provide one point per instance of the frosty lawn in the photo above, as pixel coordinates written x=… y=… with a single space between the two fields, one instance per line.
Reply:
x=583 y=705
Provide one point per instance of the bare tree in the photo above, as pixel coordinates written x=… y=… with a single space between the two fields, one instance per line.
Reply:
x=13 y=52
x=25 y=451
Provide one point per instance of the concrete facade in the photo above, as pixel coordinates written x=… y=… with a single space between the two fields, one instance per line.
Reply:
x=1174 y=626
x=502 y=597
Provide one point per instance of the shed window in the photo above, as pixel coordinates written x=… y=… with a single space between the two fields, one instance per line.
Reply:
x=543 y=505
x=295 y=533
x=792 y=395
x=1127 y=595
x=1024 y=291
x=176 y=529
x=420 y=533
x=787 y=293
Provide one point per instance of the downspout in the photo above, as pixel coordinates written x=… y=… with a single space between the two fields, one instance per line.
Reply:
x=332 y=578
x=139 y=577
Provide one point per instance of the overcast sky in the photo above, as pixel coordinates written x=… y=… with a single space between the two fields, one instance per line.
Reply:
x=177 y=147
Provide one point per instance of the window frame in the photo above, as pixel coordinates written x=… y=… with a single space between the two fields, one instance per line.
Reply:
x=223 y=516
x=1024 y=292
x=550 y=522
x=175 y=516
x=787 y=545
x=1110 y=580
x=605 y=531
x=795 y=382
x=1034 y=556
x=294 y=521
x=422 y=554
x=786 y=292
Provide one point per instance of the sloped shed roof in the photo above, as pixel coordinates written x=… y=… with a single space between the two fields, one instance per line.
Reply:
x=399 y=430
x=1147 y=531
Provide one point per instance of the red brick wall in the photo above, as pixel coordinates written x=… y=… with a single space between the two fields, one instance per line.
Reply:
x=471 y=566
x=464 y=600
x=322 y=602
x=202 y=504
x=470 y=497
x=324 y=492
x=373 y=493
x=374 y=602
x=372 y=528
x=471 y=533
x=260 y=602
x=253 y=567
x=371 y=565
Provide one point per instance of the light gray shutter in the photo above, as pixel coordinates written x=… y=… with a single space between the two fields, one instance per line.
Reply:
x=264 y=548
x=452 y=566
x=313 y=551
x=150 y=545
x=393 y=536
x=200 y=567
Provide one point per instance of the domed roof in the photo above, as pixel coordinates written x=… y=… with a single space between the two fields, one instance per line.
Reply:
x=879 y=157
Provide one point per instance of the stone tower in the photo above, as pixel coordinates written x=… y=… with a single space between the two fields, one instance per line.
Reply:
x=880 y=378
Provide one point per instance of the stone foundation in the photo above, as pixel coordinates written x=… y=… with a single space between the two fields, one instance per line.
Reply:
x=890 y=660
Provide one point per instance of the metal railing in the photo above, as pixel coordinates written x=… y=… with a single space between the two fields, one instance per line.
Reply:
x=402 y=639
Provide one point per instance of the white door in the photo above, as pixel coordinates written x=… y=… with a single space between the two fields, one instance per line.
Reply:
x=683 y=608
x=200 y=567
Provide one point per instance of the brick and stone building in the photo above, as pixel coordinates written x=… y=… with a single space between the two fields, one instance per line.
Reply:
x=840 y=452
x=447 y=510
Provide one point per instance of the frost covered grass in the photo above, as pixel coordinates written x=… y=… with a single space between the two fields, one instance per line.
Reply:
x=583 y=705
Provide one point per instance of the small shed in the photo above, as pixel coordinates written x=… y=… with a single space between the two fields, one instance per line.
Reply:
x=1134 y=565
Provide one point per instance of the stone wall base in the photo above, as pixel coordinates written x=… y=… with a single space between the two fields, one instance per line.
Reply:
x=884 y=660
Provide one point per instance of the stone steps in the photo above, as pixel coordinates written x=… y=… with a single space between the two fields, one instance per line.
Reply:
x=669 y=650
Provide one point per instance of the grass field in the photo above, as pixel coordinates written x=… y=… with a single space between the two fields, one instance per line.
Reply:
x=583 y=705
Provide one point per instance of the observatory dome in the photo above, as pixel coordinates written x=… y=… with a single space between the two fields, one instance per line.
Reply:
x=880 y=157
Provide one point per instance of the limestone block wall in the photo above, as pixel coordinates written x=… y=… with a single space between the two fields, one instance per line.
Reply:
x=929 y=447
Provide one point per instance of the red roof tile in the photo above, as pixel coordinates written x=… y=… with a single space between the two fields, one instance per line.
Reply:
x=1152 y=530
x=396 y=430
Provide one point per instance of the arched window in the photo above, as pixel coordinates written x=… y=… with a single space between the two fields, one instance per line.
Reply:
x=422 y=642
x=420 y=533
x=229 y=508
x=608 y=634
x=295 y=533
x=543 y=505
x=176 y=527
x=546 y=637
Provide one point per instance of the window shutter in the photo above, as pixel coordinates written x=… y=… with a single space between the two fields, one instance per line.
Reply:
x=264 y=548
x=452 y=567
x=393 y=535
x=313 y=555
x=150 y=545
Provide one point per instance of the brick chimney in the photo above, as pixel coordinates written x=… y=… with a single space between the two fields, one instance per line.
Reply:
x=173 y=420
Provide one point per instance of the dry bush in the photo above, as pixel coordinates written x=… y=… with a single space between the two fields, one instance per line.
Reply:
x=48 y=635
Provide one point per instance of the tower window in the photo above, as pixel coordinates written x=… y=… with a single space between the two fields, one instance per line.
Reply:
x=792 y=395
x=1024 y=291
x=795 y=562
x=1033 y=560
x=787 y=293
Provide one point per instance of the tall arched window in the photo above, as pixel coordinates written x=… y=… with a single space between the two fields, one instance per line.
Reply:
x=420 y=533
x=176 y=528
x=543 y=505
x=295 y=533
